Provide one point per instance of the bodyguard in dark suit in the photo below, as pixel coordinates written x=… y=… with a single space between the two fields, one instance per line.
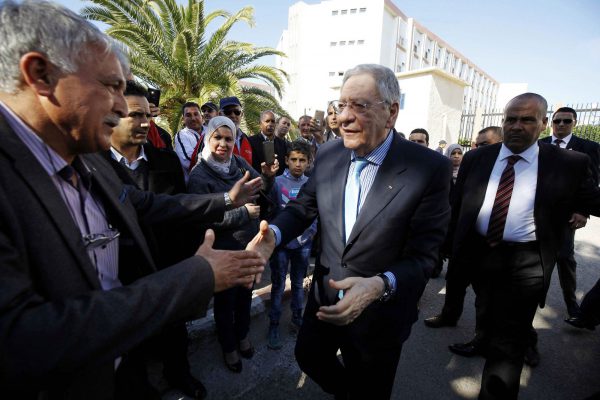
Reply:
x=563 y=122
x=383 y=208
x=512 y=201
x=79 y=289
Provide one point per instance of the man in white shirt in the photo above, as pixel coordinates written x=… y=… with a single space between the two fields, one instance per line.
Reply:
x=511 y=203
x=188 y=138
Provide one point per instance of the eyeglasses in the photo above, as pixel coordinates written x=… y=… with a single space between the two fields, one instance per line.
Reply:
x=359 y=108
x=94 y=240
x=233 y=111
x=567 y=121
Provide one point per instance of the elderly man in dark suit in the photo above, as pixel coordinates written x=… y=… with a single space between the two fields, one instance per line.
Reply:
x=511 y=202
x=563 y=122
x=383 y=208
x=79 y=288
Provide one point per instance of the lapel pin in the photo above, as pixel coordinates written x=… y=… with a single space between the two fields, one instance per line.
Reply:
x=389 y=187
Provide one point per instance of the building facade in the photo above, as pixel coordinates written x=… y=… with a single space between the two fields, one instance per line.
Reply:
x=437 y=82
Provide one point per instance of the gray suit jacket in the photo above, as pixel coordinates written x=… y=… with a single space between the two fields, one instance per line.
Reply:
x=399 y=229
x=59 y=332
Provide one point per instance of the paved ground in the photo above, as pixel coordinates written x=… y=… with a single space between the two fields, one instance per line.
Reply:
x=568 y=369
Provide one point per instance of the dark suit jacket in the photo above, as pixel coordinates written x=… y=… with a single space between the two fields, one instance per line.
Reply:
x=591 y=148
x=399 y=229
x=258 y=155
x=59 y=332
x=564 y=185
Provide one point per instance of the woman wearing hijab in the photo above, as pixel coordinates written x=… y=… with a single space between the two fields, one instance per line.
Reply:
x=455 y=154
x=217 y=171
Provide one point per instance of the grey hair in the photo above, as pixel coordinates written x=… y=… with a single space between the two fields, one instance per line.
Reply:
x=387 y=83
x=53 y=30
x=265 y=112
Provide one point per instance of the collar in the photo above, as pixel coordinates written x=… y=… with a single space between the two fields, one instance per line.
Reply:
x=377 y=155
x=529 y=155
x=289 y=176
x=118 y=156
x=566 y=139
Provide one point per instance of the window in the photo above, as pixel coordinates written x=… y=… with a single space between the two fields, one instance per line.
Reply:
x=344 y=12
x=333 y=44
x=343 y=43
x=351 y=43
x=334 y=12
x=361 y=42
x=331 y=73
x=341 y=73
x=402 y=100
x=353 y=11
x=362 y=10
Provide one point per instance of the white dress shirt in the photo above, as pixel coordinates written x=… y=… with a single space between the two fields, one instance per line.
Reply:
x=122 y=160
x=520 y=223
x=565 y=140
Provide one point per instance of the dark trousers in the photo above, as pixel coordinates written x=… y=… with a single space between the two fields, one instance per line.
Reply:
x=510 y=282
x=232 y=316
x=590 y=306
x=566 y=266
x=369 y=366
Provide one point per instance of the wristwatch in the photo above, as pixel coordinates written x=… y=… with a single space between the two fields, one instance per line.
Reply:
x=389 y=290
x=228 y=202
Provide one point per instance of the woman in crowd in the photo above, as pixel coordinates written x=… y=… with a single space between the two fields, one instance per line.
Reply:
x=217 y=171
x=455 y=153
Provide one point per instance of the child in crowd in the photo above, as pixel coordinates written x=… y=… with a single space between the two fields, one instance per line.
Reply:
x=297 y=251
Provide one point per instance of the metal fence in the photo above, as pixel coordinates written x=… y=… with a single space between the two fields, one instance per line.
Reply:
x=588 y=122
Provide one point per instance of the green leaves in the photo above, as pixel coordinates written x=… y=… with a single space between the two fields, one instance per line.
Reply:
x=169 y=48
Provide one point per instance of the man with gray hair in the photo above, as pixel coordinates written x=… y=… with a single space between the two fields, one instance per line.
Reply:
x=383 y=209
x=79 y=289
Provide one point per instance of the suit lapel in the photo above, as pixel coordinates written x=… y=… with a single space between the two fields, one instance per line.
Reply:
x=43 y=188
x=388 y=182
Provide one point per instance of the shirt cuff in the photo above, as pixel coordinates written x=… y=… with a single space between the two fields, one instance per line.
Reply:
x=277 y=233
x=392 y=278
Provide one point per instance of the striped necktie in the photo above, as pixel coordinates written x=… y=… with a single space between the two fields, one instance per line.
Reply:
x=495 y=230
x=352 y=196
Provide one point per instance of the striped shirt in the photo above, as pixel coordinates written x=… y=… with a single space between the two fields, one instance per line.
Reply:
x=368 y=174
x=87 y=212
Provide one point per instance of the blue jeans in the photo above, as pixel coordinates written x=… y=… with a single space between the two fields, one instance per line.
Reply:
x=299 y=259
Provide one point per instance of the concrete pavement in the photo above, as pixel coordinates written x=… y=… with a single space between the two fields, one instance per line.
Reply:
x=570 y=358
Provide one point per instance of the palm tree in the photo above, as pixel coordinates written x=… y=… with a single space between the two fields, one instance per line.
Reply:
x=168 y=48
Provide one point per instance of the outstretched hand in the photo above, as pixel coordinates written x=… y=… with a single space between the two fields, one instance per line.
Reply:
x=358 y=294
x=231 y=268
x=263 y=243
x=245 y=190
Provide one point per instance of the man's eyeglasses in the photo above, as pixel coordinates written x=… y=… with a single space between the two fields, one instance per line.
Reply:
x=233 y=111
x=566 y=121
x=94 y=240
x=359 y=108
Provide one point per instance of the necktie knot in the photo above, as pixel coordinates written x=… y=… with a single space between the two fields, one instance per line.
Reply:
x=558 y=142
x=67 y=173
x=513 y=159
x=359 y=165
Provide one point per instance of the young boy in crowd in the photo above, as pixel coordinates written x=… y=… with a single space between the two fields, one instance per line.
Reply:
x=297 y=251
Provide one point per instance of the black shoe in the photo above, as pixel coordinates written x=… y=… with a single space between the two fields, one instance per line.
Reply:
x=233 y=367
x=532 y=356
x=580 y=322
x=189 y=385
x=573 y=309
x=439 y=321
x=469 y=349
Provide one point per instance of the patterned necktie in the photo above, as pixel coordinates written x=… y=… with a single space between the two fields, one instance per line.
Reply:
x=558 y=142
x=495 y=230
x=352 y=197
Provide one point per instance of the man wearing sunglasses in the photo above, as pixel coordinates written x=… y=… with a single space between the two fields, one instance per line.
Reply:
x=232 y=109
x=563 y=122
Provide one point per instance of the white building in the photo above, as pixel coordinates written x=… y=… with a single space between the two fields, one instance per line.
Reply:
x=324 y=40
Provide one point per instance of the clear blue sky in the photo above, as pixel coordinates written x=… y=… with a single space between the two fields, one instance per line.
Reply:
x=553 y=45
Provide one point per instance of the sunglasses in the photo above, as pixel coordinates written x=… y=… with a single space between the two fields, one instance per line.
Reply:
x=564 y=121
x=234 y=111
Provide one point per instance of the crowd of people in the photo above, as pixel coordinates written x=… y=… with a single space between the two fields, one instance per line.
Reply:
x=113 y=235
